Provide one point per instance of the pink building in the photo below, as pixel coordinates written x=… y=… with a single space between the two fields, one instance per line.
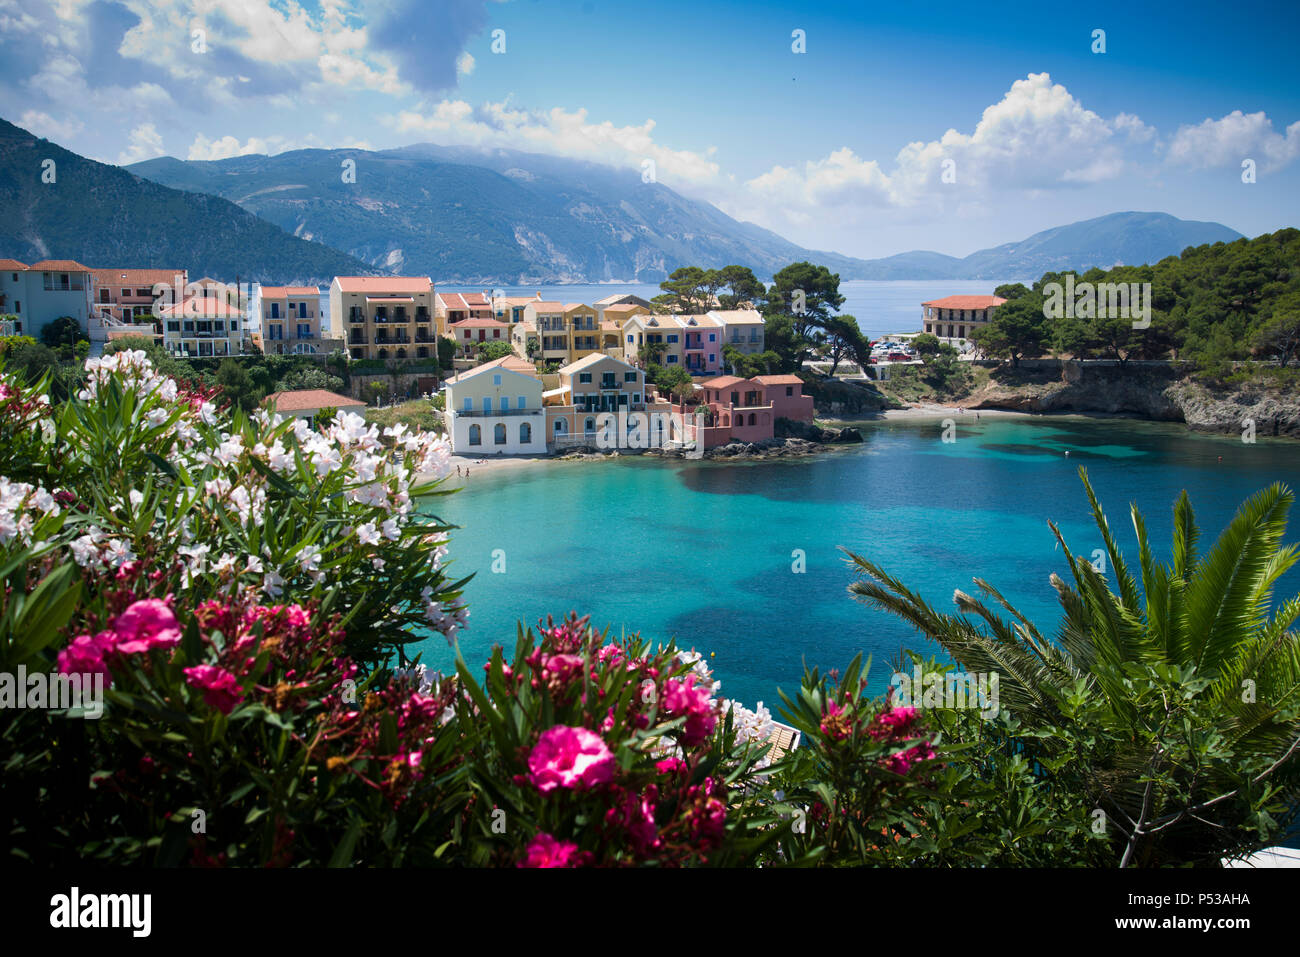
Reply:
x=746 y=410
x=785 y=393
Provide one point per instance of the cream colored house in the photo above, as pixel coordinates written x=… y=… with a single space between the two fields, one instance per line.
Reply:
x=384 y=317
x=743 y=329
x=291 y=322
x=587 y=388
x=496 y=409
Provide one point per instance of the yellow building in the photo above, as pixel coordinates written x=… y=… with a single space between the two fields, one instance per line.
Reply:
x=291 y=322
x=384 y=317
x=587 y=388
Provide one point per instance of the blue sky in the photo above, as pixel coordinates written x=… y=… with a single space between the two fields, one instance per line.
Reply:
x=844 y=146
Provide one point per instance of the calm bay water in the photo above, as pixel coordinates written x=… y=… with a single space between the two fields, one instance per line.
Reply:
x=703 y=551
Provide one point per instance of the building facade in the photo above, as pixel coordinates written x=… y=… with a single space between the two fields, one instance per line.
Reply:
x=496 y=409
x=590 y=387
x=38 y=294
x=954 y=318
x=291 y=322
x=743 y=329
x=384 y=317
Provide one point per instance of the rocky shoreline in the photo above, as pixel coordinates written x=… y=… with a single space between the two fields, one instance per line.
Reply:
x=783 y=447
x=1156 y=393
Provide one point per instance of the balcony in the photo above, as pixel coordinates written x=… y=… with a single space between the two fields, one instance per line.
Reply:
x=358 y=339
x=479 y=413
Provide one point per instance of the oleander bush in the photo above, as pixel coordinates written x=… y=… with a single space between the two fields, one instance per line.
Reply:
x=244 y=591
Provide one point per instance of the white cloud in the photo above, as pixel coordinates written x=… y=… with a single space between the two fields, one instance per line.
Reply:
x=559 y=132
x=1233 y=138
x=227 y=146
x=47 y=127
x=145 y=143
x=465 y=64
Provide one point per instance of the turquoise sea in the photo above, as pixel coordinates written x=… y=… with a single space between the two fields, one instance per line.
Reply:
x=707 y=552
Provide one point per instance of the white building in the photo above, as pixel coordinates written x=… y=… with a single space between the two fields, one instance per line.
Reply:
x=496 y=409
x=38 y=294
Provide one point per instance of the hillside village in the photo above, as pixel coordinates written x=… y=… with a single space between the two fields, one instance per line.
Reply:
x=531 y=376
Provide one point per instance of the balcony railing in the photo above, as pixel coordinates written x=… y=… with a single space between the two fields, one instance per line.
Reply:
x=480 y=413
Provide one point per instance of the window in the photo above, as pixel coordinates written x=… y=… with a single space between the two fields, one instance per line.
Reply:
x=275 y=310
x=629 y=376
x=469 y=404
x=789 y=390
x=672 y=360
x=753 y=419
x=496 y=379
x=636 y=398
x=505 y=403
x=672 y=337
x=487 y=403
x=475 y=435
x=526 y=433
x=629 y=335
x=713 y=357
x=561 y=427
x=499 y=434
x=711 y=337
x=961 y=332
x=589 y=425
x=523 y=403
x=304 y=330
x=584 y=377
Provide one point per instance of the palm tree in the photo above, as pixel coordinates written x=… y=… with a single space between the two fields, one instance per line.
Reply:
x=1194 y=680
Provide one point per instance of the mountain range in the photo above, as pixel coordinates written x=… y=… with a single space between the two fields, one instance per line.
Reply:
x=471 y=215
x=461 y=215
x=103 y=215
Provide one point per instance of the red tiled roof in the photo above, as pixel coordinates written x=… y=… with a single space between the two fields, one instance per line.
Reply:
x=283 y=292
x=12 y=265
x=381 y=284
x=541 y=306
x=722 y=382
x=479 y=322
x=965 y=302
x=779 y=379
x=300 y=400
x=202 y=307
x=59 y=265
x=115 y=276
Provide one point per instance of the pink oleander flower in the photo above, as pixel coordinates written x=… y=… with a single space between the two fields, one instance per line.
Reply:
x=682 y=696
x=896 y=721
x=570 y=758
x=220 y=688
x=635 y=814
x=671 y=766
x=902 y=762
x=145 y=625
x=546 y=851
x=87 y=655
x=836 y=723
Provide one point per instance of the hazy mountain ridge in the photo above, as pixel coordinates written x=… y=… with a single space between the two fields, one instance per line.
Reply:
x=470 y=215
x=103 y=215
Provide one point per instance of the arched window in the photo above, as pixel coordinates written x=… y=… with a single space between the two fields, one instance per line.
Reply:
x=525 y=433
x=383 y=353
x=753 y=420
x=589 y=425
x=475 y=435
x=401 y=353
x=499 y=434
x=422 y=352
x=561 y=427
